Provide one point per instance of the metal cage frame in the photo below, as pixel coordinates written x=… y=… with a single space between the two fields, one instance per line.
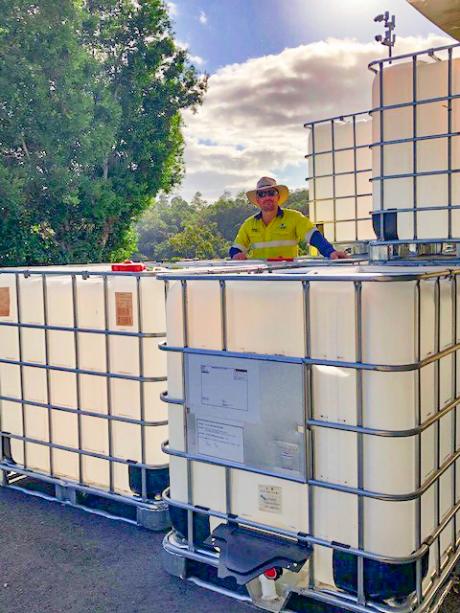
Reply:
x=12 y=473
x=420 y=601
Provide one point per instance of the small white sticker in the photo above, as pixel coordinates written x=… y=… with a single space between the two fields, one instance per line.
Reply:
x=270 y=498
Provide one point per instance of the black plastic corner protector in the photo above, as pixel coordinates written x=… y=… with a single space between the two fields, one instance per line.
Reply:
x=245 y=554
x=5 y=449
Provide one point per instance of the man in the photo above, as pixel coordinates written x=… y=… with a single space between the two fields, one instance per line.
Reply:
x=275 y=232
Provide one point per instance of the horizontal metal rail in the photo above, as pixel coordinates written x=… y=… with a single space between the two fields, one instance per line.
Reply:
x=76 y=451
x=14 y=468
x=415 y=54
x=73 y=329
x=316 y=361
x=103 y=416
x=82 y=371
x=297 y=536
x=336 y=487
x=364 y=277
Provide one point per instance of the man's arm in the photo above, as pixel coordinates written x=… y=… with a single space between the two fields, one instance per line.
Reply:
x=239 y=249
x=312 y=235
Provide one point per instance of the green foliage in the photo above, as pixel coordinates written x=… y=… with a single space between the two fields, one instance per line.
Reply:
x=91 y=93
x=196 y=241
x=176 y=229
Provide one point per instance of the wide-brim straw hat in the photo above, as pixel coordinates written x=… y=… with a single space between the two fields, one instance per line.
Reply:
x=268 y=183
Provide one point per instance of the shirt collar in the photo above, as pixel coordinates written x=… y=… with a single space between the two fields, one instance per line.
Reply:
x=279 y=213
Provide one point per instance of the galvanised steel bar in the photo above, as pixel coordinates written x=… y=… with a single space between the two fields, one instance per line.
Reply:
x=317 y=361
x=90 y=454
x=47 y=372
x=308 y=412
x=406 y=56
x=190 y=523
x=334 y=187
x=356 y=491
x=120 y=418
x=108 y=381
x=13 y=324
x=76 y=486
x=449 y=141
x=355 y=176
x=21 y=366
x=78 y=382
x=418 y=445
x=300 y=536
x=360 y=443
x=141 y=387
x=82 y=371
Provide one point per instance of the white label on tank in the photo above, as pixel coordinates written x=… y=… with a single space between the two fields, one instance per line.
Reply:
x=270 y=498
x=219 y=440
x=224 y=388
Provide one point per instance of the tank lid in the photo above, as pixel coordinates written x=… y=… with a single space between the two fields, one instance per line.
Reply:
x=128 y=266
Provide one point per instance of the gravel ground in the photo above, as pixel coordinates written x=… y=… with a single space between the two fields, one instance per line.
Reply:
x=55 y=558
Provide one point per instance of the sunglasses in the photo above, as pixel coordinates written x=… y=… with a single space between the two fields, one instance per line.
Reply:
x=261 y=193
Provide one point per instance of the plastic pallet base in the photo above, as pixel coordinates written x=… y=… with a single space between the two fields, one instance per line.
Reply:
x=153 y=517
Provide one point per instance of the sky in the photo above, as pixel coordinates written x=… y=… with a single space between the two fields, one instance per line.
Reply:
x=274 y=65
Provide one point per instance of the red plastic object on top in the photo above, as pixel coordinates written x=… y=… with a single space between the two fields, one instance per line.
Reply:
x=280 y=259
x=128 y=266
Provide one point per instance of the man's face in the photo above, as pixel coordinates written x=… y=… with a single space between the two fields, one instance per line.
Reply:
x=268 y=199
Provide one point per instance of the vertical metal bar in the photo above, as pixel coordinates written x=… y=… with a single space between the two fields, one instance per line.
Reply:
x=78 y=378
x=308 y=411
x=334 y=191
x=382 y=153
x=414 y=142
x=454 y=412
x=313 y=172
x=355 y=175
x=108 y=379
x=223 y=322
x=449 y=143
x=21 y=367
x=47 y=362
x=360 y=441
x=141 y=386
x=437 y=425
x=418 y=441
x=453 y=446
x=190 y=527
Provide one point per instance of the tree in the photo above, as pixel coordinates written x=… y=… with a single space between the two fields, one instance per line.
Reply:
x=194 y=242
x=91 y=93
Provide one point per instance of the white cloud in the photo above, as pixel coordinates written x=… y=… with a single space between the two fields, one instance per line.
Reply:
x=203 y=18
x=197 y=60
x=251 y=122
x=172 y=8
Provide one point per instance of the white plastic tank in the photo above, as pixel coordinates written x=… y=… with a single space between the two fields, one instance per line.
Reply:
x=430 y=157
x=267 y=317
x=93 y=369
x=339 y=167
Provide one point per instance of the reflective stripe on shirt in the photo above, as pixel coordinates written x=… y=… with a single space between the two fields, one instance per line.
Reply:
x=268 y=244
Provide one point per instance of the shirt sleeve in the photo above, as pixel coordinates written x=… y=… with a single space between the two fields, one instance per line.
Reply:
x=241 y=242
x=322 y=244
x=304 y=228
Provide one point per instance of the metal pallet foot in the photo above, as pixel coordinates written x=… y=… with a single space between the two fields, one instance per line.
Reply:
x=66 y=493
x=174 y=564
x=155 y=519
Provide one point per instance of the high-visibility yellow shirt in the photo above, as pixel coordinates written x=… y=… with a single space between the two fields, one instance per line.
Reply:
x=280 y=238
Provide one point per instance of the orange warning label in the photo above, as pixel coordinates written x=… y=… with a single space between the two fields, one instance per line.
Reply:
x=4 y=301
x=124 y=308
